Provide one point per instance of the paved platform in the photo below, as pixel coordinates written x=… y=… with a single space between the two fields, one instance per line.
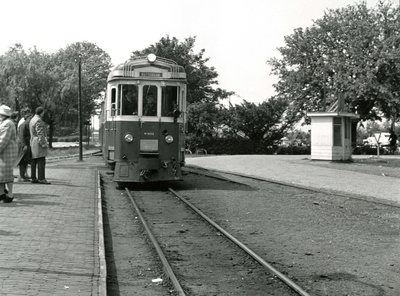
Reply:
x=49 y=234
x=299 y=170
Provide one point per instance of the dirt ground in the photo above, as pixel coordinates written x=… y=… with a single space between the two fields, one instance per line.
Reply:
x=329 y=245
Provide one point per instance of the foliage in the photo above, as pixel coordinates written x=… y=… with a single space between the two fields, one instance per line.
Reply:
x=33 y=78
x=200 y=77
x=95 y=66
x=26 y=78
x=266 y=123
x=352 y=50
x=205 y=118
x=294 y=150
x=230 y=145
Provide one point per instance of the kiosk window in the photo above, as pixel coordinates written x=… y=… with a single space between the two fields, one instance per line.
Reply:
x=129 y=99
x=337 y=131
x=149 y=100
x=169 y=101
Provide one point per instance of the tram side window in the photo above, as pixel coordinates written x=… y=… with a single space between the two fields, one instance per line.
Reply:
x=149 y=100
x=113 y=96
x=129 y=99
x=169 y=101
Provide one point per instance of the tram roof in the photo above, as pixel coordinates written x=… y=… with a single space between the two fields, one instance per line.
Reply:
x=139 y=67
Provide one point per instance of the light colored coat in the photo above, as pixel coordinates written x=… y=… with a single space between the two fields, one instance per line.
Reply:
x=8 y=150
x=38 y=137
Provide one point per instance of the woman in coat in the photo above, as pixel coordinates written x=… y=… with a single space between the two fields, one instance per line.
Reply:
x=8 y=153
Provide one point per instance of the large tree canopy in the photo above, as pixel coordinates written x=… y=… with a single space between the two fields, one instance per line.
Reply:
x=34 y=78
x=354 y=51
x=95 y=66
x=200 y=77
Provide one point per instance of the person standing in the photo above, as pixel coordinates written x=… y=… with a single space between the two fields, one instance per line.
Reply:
x=8 y=153
x=393 y=142
x=39 y=146
x=22 y=118
x=25 y=154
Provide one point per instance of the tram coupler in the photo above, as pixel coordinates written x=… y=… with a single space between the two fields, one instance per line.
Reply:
x=143 y=174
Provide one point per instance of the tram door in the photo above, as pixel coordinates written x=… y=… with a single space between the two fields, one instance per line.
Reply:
x=110 y=128
x=149 y=129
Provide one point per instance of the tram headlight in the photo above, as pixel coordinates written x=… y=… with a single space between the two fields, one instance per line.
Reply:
x=128 y=138
x=151 y=58
x=169 y=139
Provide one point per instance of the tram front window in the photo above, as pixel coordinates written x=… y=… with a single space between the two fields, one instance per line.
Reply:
x=169 y=100
x=150 y=100
x=129 y=100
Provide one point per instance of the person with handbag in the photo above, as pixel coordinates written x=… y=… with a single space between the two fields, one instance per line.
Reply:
x=39 y=147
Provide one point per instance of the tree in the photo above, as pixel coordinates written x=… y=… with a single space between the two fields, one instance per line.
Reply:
x=35 y=78
x=27 y=80
x=200 y=77
x=205 y=118
x=265 y=123
x=95 y=67
x=353 y=51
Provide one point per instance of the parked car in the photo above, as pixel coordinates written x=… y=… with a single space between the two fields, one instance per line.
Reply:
x=382 y=138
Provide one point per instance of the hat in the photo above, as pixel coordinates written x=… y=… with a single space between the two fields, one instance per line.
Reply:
x=39 y=110
x=5 y=110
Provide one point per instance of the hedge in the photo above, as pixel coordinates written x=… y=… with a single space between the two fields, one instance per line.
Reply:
x=233 y=146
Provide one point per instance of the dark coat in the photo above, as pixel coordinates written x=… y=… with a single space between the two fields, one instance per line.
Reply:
x=24 y=151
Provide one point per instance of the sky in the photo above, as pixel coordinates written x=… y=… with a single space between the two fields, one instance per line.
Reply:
x=238 y=36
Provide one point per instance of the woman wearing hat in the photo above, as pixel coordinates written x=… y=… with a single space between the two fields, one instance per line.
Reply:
x=8 y=153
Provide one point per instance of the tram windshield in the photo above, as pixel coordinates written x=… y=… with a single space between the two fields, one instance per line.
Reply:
x=169 y=100
x=149 y=100
x=129 y=99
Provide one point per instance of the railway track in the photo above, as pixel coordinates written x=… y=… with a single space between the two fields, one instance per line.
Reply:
x=313 y=238
x=192 y=251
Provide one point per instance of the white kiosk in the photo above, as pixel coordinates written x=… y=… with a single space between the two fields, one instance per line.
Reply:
x=331 y=134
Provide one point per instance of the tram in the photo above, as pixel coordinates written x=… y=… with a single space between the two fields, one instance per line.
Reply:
x=143 y=120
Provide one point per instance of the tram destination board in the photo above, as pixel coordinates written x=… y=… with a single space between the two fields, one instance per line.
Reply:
x=150 y=74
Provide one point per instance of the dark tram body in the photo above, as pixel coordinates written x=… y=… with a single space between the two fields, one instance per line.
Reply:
x=143 y=120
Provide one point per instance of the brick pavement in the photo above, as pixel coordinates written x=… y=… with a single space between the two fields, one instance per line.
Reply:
x=49 y=242
x=298 y=170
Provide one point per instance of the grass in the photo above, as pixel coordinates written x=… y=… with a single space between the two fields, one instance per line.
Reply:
x=375 y=161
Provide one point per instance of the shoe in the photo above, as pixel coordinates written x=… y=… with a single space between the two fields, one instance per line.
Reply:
x=23 y=180
x=44 y=181
x=8 y=199
x=5 y=191
x=35 y=181
x=3 y=197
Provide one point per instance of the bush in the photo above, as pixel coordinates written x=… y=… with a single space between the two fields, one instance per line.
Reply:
x=230 y=145
x=295 y=150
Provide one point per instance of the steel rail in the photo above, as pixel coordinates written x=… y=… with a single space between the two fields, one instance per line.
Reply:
x=276 y=272
x=160 y=253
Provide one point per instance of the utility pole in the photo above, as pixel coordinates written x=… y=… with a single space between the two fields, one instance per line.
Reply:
x=80 y=108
